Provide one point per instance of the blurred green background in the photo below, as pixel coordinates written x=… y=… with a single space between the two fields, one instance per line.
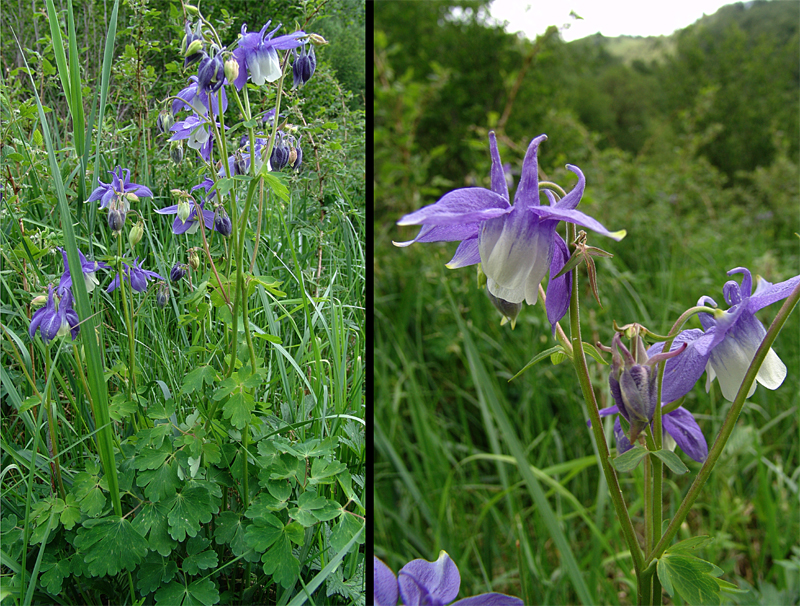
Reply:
x=690 y=143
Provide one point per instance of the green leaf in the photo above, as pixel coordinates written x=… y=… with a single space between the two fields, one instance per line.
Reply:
x=110 y=545
x=71 y=514
x=263 y=532
x=54 y=577
x=203 y=592
x=199 y=561
x=306 y=504
x=120 y=407
x=86 y=488
x=152 y=518
x=538 y=358
x=331 y=511
x=316 y=448
x=154 y=573
x=345 y=530
x=190 y=507
x=280 y=489
x=280 y=563
x=325 y=472
x=264 y=504
x=162 y=483
x=672 y=461
x=231 y=529
x=689 y=544
x=629 y=460
x=195 y=379
x=152 y=458
x=692 y=578
x=591 y=351
x=275 y=184
x=238 y=409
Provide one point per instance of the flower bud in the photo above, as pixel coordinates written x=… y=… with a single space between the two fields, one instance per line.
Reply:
x=239 y=164
x=194 y=259
x=116 y=220
x=231 y=69
x=192 y=10
x=135 y=234
x=162 y=295
x=317 y=39
x=184 y=210
x=164 y=121
x=176 y=151
x=222 y=223
x=305 y=63
x=39 y=301
x=633 y=382
x=132 y=197
x=510 y=311
x=194 y=47
x=177 y=272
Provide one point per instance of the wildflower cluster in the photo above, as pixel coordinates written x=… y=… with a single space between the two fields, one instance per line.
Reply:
x=518 y=247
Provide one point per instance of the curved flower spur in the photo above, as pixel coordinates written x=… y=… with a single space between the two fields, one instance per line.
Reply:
x=515 y=244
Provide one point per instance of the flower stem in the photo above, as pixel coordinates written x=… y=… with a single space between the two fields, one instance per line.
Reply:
x=728 y=426
x=129 y=325
x=579 y=361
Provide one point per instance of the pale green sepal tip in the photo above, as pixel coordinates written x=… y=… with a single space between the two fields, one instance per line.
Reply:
x=507 y=320
x=618 y=235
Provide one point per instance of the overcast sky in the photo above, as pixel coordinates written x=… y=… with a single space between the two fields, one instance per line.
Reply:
x=609 y=17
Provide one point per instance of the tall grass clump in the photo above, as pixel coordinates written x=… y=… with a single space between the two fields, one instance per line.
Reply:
x=183 y=304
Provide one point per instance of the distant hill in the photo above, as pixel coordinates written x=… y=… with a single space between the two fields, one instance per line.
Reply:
x=755 y=18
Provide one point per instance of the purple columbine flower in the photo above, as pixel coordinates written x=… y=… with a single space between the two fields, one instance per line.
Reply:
x=211 y=74
x=135 y=276
x=89 y=269
x=258 y=57
x=429 y=583
x=194 y=97
x=516 y=245
x=194 y=129
x=55 y=320
x=192 y=223
x=305 y=62
x=728 y=342
x=189 y=37
x=113 y=195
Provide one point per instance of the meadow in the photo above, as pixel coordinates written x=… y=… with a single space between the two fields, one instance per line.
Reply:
x=183 y=304
x=462 y=436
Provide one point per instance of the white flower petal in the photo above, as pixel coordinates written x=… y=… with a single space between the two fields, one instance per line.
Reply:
x=772 y=371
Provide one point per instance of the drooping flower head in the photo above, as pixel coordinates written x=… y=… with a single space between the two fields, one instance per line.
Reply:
x=258 y=57
x=199 y=136
x=55 y=320
x=305 y=63
x=211 y=74
x=88 y=268
x=633 y=382
x=428 y=583
x=198 y=99
x=136 y=276
x=516 y=245
x=728 y=342
x=190 y=223
x=192 y=44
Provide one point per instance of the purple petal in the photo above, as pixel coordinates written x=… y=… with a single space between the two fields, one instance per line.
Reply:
x=680 y=424
x=385 y=588
x=443 y=233
x=571 y=200
x=169 y=210
x=527 y=194
x=467 y=205
x=558 y=289
x=467 y=253
x=578 y=218
x=623 y=443
x=770 y=294
x=499 y=183
x=685 y=369
x=489 y=599
x=439 y=579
